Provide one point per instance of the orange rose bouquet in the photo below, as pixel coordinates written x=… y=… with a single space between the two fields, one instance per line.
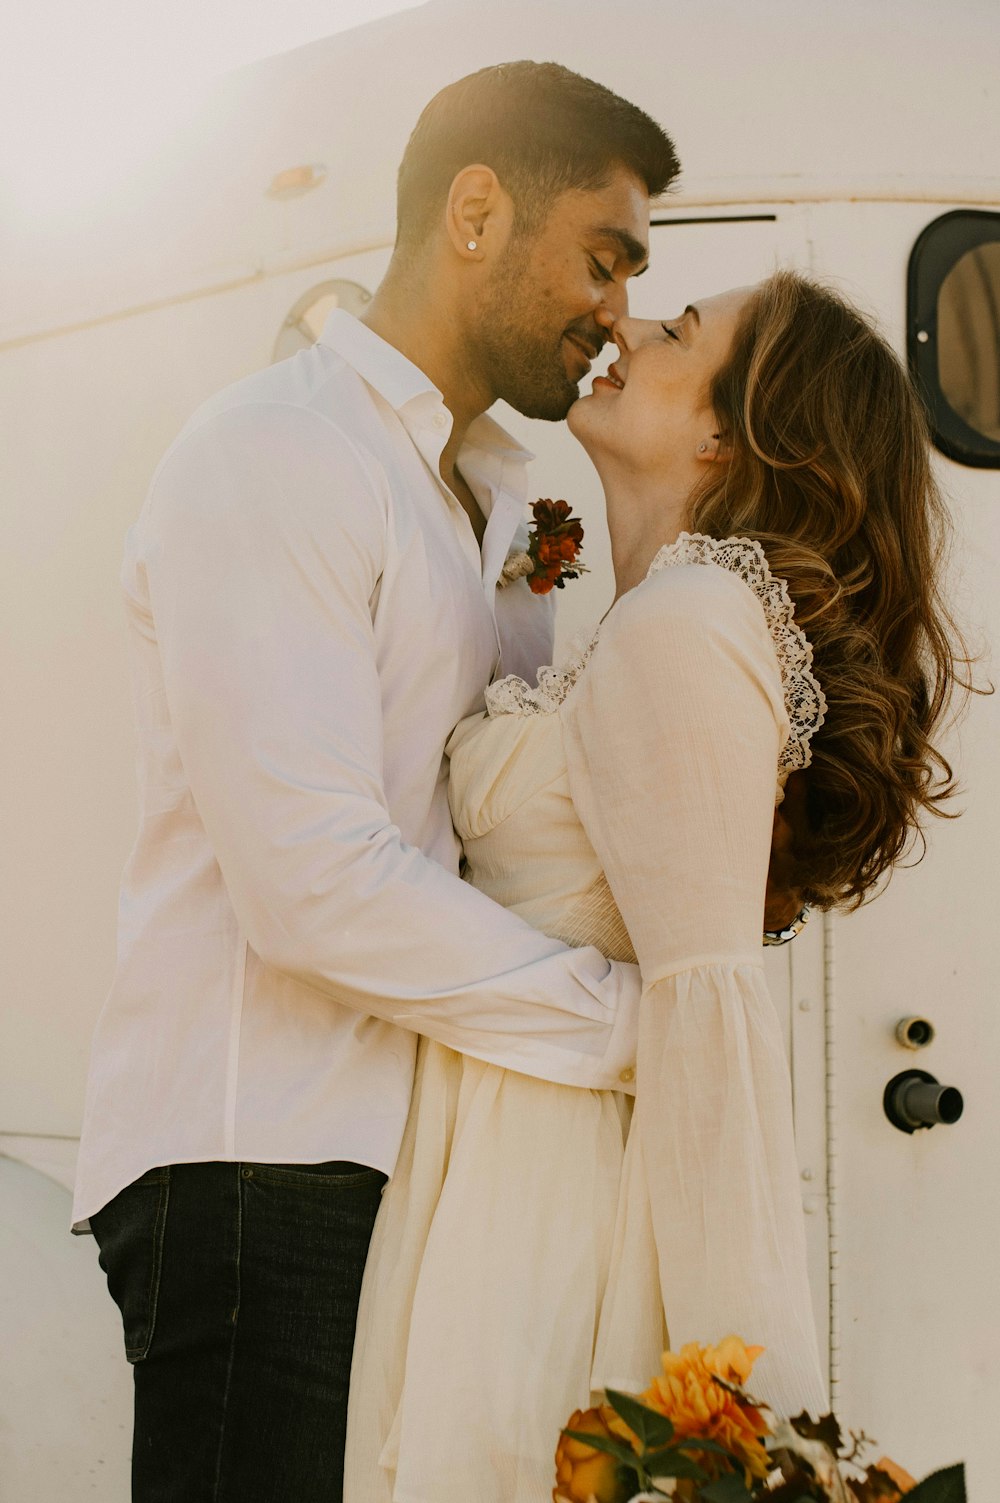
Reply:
x=696 y=1435
x=553 y=554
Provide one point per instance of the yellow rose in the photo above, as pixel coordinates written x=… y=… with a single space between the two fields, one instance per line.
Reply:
x=731 y=1359
x=582 y=1473
x=697 y=1405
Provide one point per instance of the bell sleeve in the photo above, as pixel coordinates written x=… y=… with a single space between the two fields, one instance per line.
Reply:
x=673 y=735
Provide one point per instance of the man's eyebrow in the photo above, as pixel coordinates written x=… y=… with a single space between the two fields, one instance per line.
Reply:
x=632 y=249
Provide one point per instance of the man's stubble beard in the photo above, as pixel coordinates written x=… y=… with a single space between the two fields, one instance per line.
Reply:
x=523 y=367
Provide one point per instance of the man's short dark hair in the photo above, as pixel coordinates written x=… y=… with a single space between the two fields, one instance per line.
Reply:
x=542 y=129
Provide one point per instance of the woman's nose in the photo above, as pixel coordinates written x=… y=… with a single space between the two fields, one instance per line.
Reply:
x=626 y=333
x=630 y=333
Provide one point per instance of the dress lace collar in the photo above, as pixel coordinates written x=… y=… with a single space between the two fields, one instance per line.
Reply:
x=804 y=699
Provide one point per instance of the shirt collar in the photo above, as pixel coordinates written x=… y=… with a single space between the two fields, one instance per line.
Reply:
x=376 y=361
x=486 y=434
x=400 y=382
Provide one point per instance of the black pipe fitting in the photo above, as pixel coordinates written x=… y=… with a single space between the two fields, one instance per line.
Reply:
x=915 y=1099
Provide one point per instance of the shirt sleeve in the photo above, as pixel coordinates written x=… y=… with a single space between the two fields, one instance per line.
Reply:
x=673 y=735
x=266 y=538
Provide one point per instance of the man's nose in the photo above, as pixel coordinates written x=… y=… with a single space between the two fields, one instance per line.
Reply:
x=614 y=305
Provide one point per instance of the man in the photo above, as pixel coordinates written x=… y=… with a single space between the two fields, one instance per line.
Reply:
x=312 y=606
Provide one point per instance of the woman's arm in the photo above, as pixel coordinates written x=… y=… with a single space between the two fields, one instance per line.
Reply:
x=673 y=735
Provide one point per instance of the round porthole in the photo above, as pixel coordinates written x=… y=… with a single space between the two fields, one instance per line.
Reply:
x=954 y=332
x=305 y=320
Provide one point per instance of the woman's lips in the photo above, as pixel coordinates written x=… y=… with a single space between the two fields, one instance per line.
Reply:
x=614 y=380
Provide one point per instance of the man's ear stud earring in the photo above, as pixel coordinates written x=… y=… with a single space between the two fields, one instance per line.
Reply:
x=472 y=245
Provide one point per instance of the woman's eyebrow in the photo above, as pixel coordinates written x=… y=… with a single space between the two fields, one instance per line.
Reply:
x=692 y=309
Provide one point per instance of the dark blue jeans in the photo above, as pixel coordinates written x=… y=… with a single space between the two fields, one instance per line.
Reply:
x=238 y=1286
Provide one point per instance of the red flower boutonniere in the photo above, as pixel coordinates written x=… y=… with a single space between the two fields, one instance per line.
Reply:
x=554 y=543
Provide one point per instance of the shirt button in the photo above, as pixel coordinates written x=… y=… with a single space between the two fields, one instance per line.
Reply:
x=627 y=1075
x=440 y=421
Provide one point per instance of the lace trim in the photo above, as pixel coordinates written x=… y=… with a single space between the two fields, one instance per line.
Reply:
x=513 y=696
x=805 y=701
x=804 y=698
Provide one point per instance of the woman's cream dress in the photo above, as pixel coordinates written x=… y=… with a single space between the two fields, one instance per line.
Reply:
x=532 y=1246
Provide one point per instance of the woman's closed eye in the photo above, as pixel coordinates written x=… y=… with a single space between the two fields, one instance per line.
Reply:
x=667 y=329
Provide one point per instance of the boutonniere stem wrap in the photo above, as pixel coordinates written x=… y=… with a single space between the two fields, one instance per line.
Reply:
x=554 y=542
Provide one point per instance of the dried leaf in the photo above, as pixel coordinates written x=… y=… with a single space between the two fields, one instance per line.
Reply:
x=874 y=1485
x=825 y=1429
x=788 y=1448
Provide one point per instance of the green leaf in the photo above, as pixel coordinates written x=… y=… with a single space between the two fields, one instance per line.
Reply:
x=673 y=1463
x=945 y=1486
x=652 y=1428
x=616 y=1448
x=657 y=1459
x=633 y=1481
x=696 y=1443
x=728 y=1489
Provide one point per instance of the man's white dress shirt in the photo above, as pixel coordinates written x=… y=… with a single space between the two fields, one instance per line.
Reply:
x=309 y=616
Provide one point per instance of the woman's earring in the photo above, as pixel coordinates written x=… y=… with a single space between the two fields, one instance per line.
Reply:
x=472 y=245
x=702 y=448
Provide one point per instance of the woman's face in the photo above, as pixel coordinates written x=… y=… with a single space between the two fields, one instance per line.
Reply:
x=652 y=411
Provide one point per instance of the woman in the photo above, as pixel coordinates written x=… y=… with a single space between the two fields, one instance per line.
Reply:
x=533 y=1246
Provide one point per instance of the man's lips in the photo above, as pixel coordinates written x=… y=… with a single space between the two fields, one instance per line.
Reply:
x=587 y=352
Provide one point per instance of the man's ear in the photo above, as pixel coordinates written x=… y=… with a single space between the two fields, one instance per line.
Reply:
x=479 y=213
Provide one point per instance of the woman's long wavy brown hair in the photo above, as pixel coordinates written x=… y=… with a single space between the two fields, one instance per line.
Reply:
x=830 y=472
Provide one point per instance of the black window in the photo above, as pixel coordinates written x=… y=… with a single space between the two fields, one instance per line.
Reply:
x=953 y=332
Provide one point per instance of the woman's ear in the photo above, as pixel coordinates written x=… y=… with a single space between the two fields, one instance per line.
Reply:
x=714 y=450
x=479 y=213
